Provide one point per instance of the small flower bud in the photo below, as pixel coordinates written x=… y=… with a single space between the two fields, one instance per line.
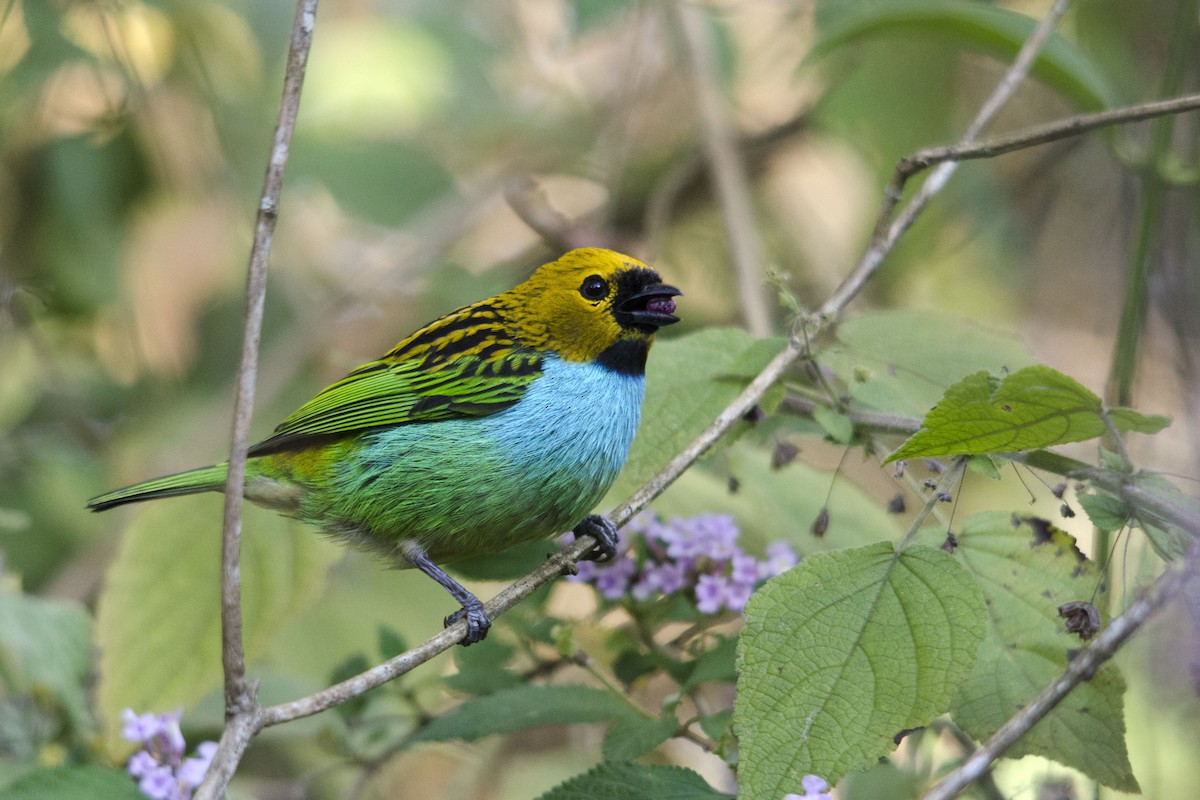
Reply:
x=821 y=523
x=1082 y=618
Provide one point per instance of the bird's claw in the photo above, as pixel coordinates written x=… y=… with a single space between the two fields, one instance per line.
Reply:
x=477 y=619
x=605 y=534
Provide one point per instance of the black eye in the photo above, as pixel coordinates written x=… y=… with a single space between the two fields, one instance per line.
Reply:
x=594 y=288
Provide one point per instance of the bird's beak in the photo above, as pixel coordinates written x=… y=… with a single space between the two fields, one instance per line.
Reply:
x=651 y=308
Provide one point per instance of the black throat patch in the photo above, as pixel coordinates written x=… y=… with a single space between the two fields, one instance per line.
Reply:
x=626 y=356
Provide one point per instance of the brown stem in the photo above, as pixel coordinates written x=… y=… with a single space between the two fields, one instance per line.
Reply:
x=241 y=702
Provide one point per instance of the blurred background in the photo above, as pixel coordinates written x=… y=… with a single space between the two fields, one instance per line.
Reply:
x=445 y=149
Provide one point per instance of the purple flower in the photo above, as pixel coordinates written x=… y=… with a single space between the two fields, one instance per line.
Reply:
x=141 y=763
x=743 y=568
x=647 y=584
x=737 y=594
x=710 y=536
x=672 y=577
x=698 y=555
x=613 y=581
x=815 y=788
x=710 y=593
x=161 y=771
x=780 y=558
x=192 y=770
x=171 y=737
x=139 y=727
x=158 y=783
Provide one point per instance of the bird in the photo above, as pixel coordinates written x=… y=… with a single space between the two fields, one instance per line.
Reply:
x=501 y=422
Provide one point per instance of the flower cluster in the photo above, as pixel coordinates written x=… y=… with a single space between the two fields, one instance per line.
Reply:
x=815 y=788
x=695 y=555
x=159 y=767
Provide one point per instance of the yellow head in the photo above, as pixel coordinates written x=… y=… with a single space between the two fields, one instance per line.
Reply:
x=591 y=304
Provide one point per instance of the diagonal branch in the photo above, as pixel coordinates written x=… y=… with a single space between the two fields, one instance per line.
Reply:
x=1081 y=668
x=887 y=230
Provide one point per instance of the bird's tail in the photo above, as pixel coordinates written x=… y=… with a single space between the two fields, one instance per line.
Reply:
x=203 y=479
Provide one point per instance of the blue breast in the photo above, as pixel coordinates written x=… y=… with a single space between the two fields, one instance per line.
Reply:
x=470 y=486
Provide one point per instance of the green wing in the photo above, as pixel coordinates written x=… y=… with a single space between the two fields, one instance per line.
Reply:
x=410 y=390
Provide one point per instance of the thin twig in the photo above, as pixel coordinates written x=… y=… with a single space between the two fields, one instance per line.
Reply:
x=1081 y=668
x=1038 y=135
x=886 y=235
x=241 y=702
x=728 y=172
x=526 y=197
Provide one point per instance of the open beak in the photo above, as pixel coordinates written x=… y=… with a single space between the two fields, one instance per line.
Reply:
x=652 y=307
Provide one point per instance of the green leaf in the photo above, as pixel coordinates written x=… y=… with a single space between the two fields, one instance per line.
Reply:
x=528 y=706
x=391 y=643
x=1167 y=539
x=714 y=664
x=1032 y=408
x=984 y=465
x=841 y=653
x=622 y=781
x=1026 y=573
x=1126 y=419
x=1105 y=511
x=481 y=670
x=158 y=625
x=718 y=725
x=902 y=361
x=46 y=649
x=837 y=425
x=633 y=736
x=975 y=27
x=74 y=783
x=689 y=380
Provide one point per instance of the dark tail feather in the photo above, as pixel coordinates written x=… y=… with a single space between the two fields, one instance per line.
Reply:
x=204 y=479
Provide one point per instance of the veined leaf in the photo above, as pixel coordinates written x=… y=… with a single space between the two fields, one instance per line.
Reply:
x=46 y=649
x=842 y=653
x=903 y=361
x=1026 y=573
x=526 y=706
x=690 y=380
x=1167 y=539
x=1105 y=511
x=624 y=781
x=976 y=27
x=634 y=735
x=1126 y=419
x=1031 y=408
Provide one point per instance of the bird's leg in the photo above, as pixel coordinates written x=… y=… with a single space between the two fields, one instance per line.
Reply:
x=478 y=621
x=605 y=534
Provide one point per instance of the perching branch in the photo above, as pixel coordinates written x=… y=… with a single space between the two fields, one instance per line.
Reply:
x=1038 y=135
x=887 y=231
x=241 y=701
